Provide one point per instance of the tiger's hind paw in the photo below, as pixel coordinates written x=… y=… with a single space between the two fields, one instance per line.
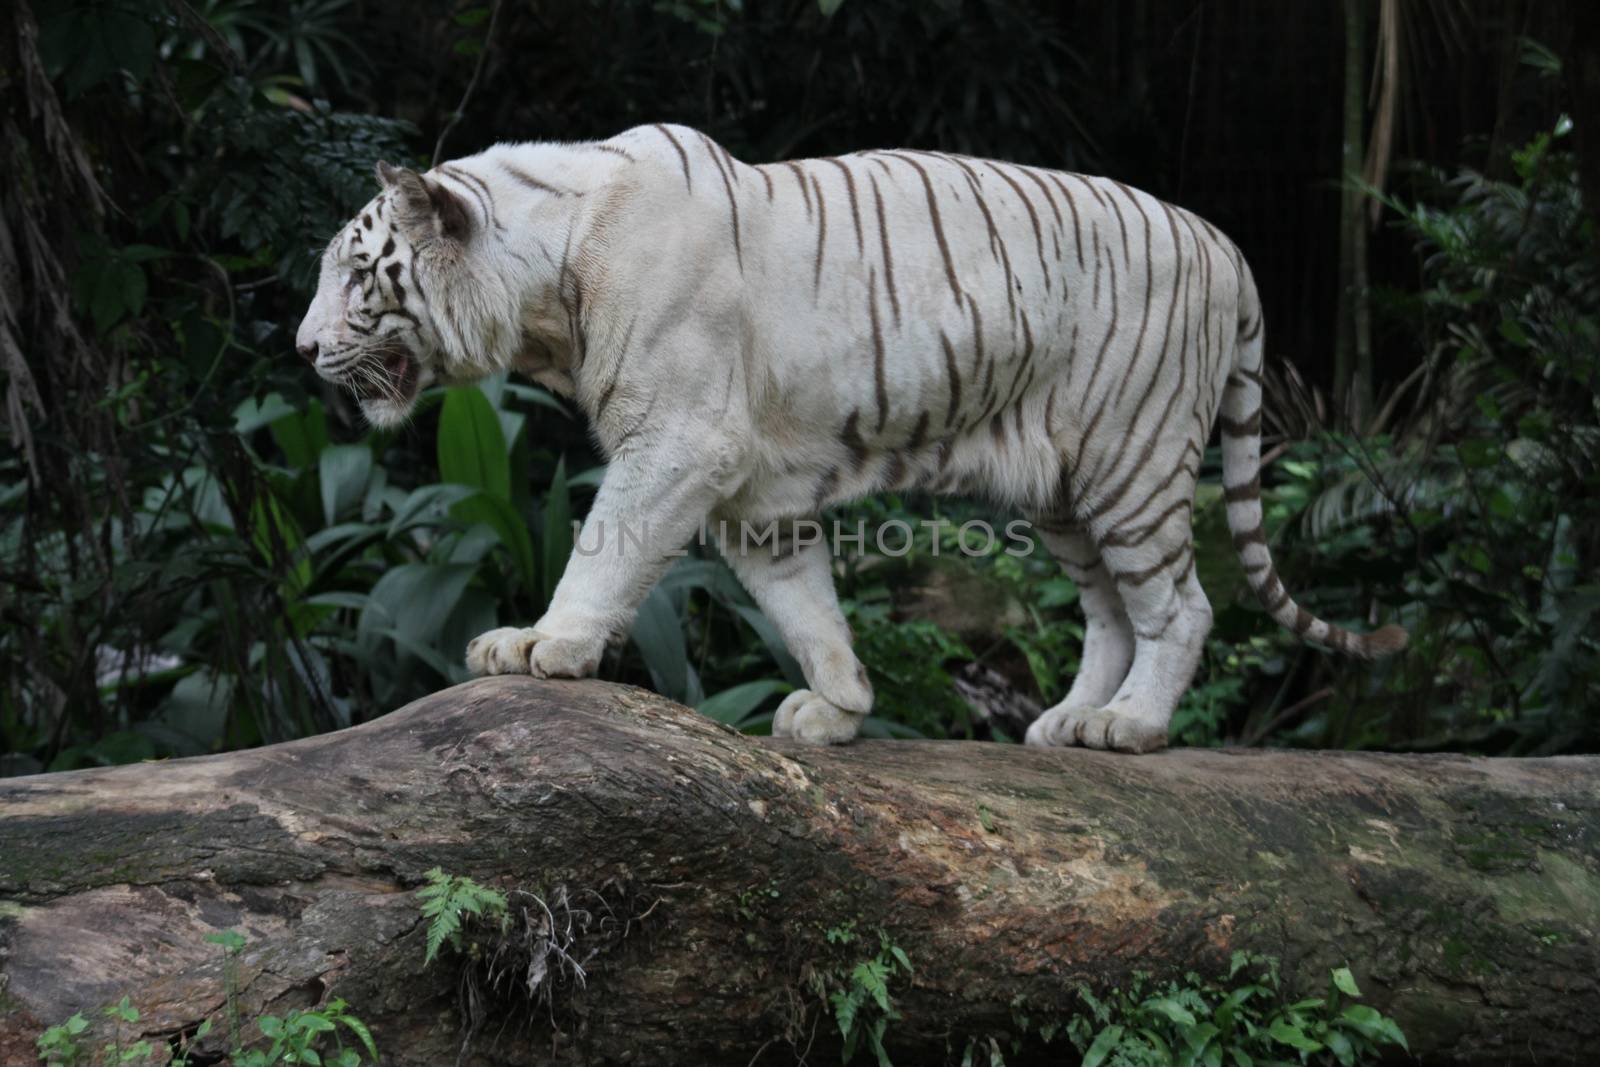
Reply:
x=807 y=717
x=1118 y=729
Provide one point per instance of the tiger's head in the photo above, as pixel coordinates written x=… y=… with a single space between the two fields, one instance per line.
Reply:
x=402 y=300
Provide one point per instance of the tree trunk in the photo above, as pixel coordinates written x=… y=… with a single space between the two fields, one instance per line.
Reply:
x=1580 y=62
x=694 y=874
x=1353 y=341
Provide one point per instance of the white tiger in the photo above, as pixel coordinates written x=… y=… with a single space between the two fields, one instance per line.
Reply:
x=758 y=342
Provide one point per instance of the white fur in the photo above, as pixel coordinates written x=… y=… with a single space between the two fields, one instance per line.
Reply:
x=756 y=343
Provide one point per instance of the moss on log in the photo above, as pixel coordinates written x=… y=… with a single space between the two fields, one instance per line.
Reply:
x=693 y=875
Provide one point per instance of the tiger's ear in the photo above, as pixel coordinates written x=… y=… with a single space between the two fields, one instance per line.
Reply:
x=427 y=209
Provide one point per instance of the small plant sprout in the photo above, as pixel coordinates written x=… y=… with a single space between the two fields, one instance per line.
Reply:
x=447 y=902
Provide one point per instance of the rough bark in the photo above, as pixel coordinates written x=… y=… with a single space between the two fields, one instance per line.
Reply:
x=700 y=871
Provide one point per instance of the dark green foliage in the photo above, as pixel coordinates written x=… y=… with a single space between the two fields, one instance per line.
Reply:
x=302 y=1036
x=906 y=662
x=859 y=997
x=1240 y=1022
x=1476 y=513
x=200 y=548
x=287 y=178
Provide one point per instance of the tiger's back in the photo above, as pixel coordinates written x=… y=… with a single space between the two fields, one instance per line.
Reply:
x=957 y=324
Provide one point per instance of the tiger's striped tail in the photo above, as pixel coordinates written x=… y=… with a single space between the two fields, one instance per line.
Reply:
x=1241 y=475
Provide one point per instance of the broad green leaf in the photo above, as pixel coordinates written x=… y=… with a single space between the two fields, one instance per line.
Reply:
x=331 y=556
x=198 y=706
x=1168 y=1008
x=472 y=448
x=328 y=536
x=658 y=635
x=733 y=704
x=1343 y=1050
x=475 y=542
x=588 y=479
x=1345 y=982
x=252 y=414
x=359 y=1028
x=476 y=612
x=1105 y=1042
x=343 y=471
x=302 y=436
x=1200 y=1034
x=714 y=576
x=1156 y=1041
x=770 y=637
x=433 y=657
x=1374 y=1024
x=557 y=544
x=500 y=516
x=418 y=597
x=1229 y=1006
x=511 y=425
x=1285 y=1032
x=533 y=394
x=427 y=504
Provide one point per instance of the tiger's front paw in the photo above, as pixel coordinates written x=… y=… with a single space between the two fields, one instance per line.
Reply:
x=530 y=650
x=807 y=717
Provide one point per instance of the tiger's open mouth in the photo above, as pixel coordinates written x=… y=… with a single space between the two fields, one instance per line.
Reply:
x=389 y=375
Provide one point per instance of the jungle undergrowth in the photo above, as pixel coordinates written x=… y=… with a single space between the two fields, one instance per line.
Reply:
x=859 y=996
x=297 y=1037
x=1241 y=1020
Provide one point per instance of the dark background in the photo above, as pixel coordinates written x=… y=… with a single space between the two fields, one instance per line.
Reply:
x=202 y=546
x=1231 y=108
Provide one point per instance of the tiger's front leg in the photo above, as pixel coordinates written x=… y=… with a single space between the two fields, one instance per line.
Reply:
x=653 y=499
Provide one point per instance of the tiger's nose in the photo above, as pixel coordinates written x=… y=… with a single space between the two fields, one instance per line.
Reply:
x=308 y=351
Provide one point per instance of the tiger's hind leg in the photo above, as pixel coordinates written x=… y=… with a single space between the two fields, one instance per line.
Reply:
x=795 y=590
x=1108 y=640
x=1152 y=567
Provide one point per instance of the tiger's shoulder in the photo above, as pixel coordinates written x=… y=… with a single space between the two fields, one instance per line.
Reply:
x=692 y=157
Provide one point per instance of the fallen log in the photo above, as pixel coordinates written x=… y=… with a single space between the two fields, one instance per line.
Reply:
x=702 y=888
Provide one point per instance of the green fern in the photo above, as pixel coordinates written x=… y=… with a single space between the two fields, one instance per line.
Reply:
x=447 y=901
x=863 y=1008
